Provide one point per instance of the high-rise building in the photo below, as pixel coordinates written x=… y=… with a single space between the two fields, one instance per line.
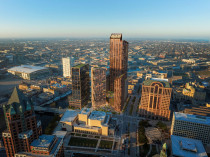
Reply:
x=118 y=57
x=80 y=86
x=155 y=99
x=118 y=69
x=22 y=137
x=22 y=126
x=119 y=92
x=67 y=62
x=98 y=87
x=191 y=126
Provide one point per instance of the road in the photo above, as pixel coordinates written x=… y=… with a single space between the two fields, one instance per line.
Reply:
x=128 y=125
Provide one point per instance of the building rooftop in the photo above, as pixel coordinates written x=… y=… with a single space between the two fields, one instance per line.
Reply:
x=60 y=134
x=149 y=82
x=85 y=110
x=26 y=68
x=97 y=115
x=159 y=79
x=79 y=65
x=69 y=116
x=57 y=85
x=53 y=151
x=17 y=103
x=182 y=146
x=192 y=118
x=116 y=36
x=43 y=141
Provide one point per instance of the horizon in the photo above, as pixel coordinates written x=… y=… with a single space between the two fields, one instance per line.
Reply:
x=105 y=38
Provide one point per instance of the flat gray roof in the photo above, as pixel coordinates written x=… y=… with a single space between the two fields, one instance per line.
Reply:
x=192 y=118
x=85 y=110
x=26 y=68
x=182 y=146
x=97 y=115
x=43 y=141
x=69 y=116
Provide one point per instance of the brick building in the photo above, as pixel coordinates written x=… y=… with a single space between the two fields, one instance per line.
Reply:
x=22 y=126
x=23 y=129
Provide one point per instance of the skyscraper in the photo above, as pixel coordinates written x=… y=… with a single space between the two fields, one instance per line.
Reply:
x=98 y=87
x=155 y=99
x=118 y=69
x=67 y=65
x=80 y=86
x=22 y=126
x=118 y=58
x=119 y=92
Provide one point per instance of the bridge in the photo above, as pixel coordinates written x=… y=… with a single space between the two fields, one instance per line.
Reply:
x=49 y=110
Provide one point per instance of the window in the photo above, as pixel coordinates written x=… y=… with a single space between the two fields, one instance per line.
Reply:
x=151 y=100
x=155 y=102
x=156 y=88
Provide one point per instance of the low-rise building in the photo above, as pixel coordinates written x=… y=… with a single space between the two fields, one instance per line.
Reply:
x=182 y=146
x=191 y=92
x=46 y=146
x=194 y=109
x=88 y=121
x=29 y=72
x=191 y=126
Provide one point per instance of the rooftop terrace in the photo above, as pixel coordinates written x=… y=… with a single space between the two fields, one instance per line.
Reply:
x=149 y=82
x=79 y=65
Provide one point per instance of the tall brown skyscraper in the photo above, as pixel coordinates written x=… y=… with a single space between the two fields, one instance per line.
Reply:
x=22 y=126
x=118 y=58
x=119 y=92
x=155 y=99
x=118 y=69
x=98 y=87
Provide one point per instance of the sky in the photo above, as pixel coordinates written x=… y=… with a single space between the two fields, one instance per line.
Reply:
x=188 y=19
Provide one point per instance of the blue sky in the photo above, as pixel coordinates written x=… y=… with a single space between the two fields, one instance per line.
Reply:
x=100 y=18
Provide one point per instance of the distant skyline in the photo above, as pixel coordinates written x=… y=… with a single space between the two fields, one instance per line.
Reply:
x=181 y=19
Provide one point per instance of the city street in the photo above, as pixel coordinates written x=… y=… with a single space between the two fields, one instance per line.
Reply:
x=128 y=125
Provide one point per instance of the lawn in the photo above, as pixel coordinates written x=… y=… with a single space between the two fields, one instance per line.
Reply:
x=141 y=132
x=83 y=142
x=162 y=126
x=105 y=144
